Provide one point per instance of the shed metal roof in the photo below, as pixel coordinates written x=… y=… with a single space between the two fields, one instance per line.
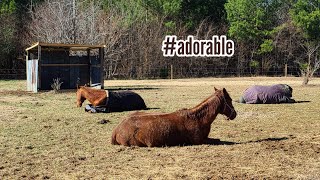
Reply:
x=67 y=46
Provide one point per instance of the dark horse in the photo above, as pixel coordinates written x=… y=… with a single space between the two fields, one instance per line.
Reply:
x=113 y=101
x=183 y=127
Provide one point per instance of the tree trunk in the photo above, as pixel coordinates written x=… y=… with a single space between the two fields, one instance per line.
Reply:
x=305 y=80
x=307 y=74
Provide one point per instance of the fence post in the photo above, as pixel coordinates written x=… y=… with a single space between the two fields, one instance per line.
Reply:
x=171 y=71
x=285 y=70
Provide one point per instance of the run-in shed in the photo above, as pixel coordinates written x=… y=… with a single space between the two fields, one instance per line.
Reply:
x=74 y=64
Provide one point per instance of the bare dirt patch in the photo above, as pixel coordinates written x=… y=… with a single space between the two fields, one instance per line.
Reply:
x=16 y=93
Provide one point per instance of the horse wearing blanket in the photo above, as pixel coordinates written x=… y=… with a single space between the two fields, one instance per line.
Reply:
x=279 y=93
x=110 y=101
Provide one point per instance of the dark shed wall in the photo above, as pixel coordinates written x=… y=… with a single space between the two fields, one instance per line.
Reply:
x=55 y=57
x=95 y=69
x=71 y=70
x=70 y=76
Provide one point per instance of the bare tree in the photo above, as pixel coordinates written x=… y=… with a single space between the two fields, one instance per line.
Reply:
x=60 y=21
x=83 y=22
x=290 y=42
x=309 y=67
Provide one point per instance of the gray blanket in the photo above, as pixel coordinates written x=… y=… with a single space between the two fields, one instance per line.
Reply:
x=279 y=93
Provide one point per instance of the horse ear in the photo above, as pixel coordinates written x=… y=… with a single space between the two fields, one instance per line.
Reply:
x=215 y=89
x=224 y=90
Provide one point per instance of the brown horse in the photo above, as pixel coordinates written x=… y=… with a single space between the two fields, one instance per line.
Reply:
x=95 y=96
x=183 y=127
x=113 y=101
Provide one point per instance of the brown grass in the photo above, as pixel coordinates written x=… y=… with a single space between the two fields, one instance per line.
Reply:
x=44 y=135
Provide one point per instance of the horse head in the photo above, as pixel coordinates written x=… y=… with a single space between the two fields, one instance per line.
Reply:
x=227 y=108
x=80 y=98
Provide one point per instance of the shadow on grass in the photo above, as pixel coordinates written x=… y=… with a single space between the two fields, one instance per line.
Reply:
x=295 y=102
x=212 y=141
x=66 y=91
x=301 y=102
x=102 y=109
x=150 y=108
x=120 y=88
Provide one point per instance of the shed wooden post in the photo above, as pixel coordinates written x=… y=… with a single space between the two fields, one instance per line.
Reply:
x=39 y=68
x=101 y=56
x=89 y=68
x=28 y=77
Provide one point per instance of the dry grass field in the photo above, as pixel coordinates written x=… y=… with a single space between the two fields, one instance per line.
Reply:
x=44 y=135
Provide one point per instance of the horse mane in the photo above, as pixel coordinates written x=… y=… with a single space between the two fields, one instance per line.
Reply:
x=207 y=106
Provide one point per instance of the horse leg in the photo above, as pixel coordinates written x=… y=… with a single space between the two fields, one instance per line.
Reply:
x=99 y=101
x=114 y=138
x=125 y=134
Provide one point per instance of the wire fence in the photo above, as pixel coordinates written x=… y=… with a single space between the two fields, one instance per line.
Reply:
x=182 y=72
x=13 y=74
x=198 y=72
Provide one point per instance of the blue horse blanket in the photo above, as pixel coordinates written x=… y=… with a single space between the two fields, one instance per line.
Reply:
x=279 y=93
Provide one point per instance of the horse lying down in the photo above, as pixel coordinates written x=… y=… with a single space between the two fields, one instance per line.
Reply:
x=108 y=101
x=279 y=93
x=183 y=127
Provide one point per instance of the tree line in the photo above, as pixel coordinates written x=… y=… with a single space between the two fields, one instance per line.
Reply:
x=267 y=33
